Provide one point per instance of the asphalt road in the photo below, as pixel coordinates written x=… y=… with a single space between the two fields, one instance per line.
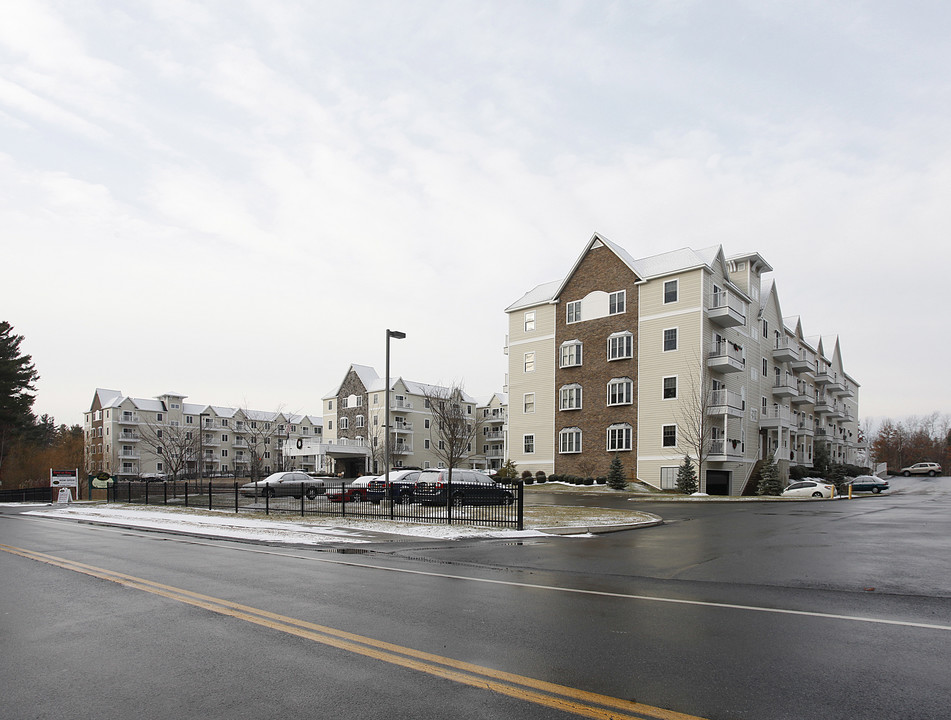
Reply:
x=728 y=610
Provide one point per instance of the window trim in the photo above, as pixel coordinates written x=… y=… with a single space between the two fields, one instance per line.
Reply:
x=528 y=362
x=529 y=321
x=576 y=393
x=620 y=295
x=627 y=438
x=676 y=332
x=526 y=403
x=676 y=293
x=628 y=384
x=664 y=395
x=663 y=436
x=614 y=339
x=573 y=312
x=567 y=448
x=571 y=354
x=525 y=444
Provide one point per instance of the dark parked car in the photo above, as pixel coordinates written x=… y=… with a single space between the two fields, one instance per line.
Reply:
x=864 y=483
x=402 y=483
x=286 y=484
x=468 y=487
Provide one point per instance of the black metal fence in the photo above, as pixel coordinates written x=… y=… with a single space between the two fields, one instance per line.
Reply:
x=35 y=494
x=502 y=509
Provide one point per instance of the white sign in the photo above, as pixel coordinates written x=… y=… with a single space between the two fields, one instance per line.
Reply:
x=65 y=496
x=64 y=478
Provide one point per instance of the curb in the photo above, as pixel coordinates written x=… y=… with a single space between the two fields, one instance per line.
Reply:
x=601 y=529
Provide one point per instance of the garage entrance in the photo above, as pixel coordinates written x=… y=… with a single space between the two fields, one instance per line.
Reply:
x=718 y=482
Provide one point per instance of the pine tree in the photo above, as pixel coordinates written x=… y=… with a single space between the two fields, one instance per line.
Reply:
x=17 y=378
x=769 y=482
x=687 y=477
x=616 y=479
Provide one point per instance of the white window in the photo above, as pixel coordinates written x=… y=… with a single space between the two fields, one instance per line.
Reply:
x=571 y=353
x=621 y=391
x=620 y=346
x=528 y=444
x=189 y=419
x=670 y=387
x=344 y=423
x=670 y=339
x=361 y=422
x=671 y=291
x=569 y=440
x=530 y=321
x=668 y=478
x=570 y=397
x=574 y=311
x=617 y=302
x=224 y=453
x=528 y=403
x=619 y=437
x=224 y=438
x=529 y=362
x=669 y=435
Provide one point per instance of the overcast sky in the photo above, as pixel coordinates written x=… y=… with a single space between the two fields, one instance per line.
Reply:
x=234 y=199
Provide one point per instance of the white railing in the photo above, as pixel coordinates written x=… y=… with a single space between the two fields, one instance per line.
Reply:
x=726 y=447
x=725 y=299
x=777 y=413
x=727 y=349
x=726 y=398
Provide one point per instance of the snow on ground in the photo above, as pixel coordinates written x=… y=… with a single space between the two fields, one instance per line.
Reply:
x=300 y=532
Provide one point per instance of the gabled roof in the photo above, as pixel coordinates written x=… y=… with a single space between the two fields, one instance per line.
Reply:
x=538 y=295
x=368 y=376
x=597 y=240
x=109 y=398
x=227 y=412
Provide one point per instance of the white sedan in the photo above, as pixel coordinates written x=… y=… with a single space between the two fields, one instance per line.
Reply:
x=810 y=487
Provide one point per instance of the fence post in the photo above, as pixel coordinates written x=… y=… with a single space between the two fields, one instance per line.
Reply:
x=209 y=494
x=235 y=497
x=302 y=499
x=520 y=522
x=165 y=492
x=146 y=493
x=343 y=499
x=267 y=498
x=186 y=493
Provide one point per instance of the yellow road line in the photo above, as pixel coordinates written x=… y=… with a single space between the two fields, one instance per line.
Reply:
x=567 y=699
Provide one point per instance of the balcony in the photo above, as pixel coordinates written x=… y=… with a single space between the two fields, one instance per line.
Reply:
x=725 y=450
x=127 y=436
x=726 y=358
x=405 y=427
x=401 y=448
x=211 y=440
x=803 y=458
x=823 y=405
x=823 y=376
x=129 y=454
x=785 y=351
x=128 y=418
x=785 y=389
x=726 y=309
x=803 y=395
x=401 y=404
x=495 y=435
x=849 y=391
x=803 y=364
x=776 y=417
x=726 y=402
x=836 y=386
x=804 y=426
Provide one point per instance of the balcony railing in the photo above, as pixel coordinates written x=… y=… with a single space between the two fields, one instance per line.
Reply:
x=727 y=358
x=785 y=388
x=403 y=427
x=495 y=435
x=776 y=417
x=726 y=402
x=724 y=449
x=129 y=418
x=785 y=351
x=726 y=309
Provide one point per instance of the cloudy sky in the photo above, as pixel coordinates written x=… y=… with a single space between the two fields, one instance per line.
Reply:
x=234 y=199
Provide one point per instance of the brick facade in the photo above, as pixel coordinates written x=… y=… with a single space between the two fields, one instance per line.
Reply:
x=599 y=271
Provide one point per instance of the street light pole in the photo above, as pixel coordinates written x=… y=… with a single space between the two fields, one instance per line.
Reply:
x=386 y=420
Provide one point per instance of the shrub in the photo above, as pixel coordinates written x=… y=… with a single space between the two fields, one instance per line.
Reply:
x=589 y=481
x=529 y=480
x=615 y=478
x=687 y=477
x=769 y=480
x=601 y=480
x=526 y=474
x=540 y=476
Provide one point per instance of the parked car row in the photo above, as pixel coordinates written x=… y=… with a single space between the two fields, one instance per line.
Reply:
x=469 y=487
x=294 y=483
x=819 y=488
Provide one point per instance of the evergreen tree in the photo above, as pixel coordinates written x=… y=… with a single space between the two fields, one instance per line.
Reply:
x=616 y=479
x=769 y=482
x=508 y=471
x=17 y=378
x=687 y=477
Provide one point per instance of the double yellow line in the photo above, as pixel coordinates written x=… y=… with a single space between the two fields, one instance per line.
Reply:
x=559 y=697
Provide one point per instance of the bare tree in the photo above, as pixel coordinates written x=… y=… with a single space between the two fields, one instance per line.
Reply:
x=455 y=426
x=175 y=444
x=695 y=424
x=260 y=432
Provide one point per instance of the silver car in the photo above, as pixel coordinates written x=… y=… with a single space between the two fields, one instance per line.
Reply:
x=286 y=484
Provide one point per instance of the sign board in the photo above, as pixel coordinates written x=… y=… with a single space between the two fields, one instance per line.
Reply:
x=102 y=480
x=65 y=495
x=64 y=478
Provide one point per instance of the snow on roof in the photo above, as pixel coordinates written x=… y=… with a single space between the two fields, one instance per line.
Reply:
x=536 y=296
x=109 y=398
x=150 y=404
x=221 y=411
x=675 y=261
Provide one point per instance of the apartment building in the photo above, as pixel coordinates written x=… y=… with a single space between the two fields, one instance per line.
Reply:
x=683 y=353
x=131 y=437
x=355 y=423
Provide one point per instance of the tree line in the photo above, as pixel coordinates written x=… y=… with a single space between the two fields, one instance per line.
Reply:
x=919 y=438
x=29 y=446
